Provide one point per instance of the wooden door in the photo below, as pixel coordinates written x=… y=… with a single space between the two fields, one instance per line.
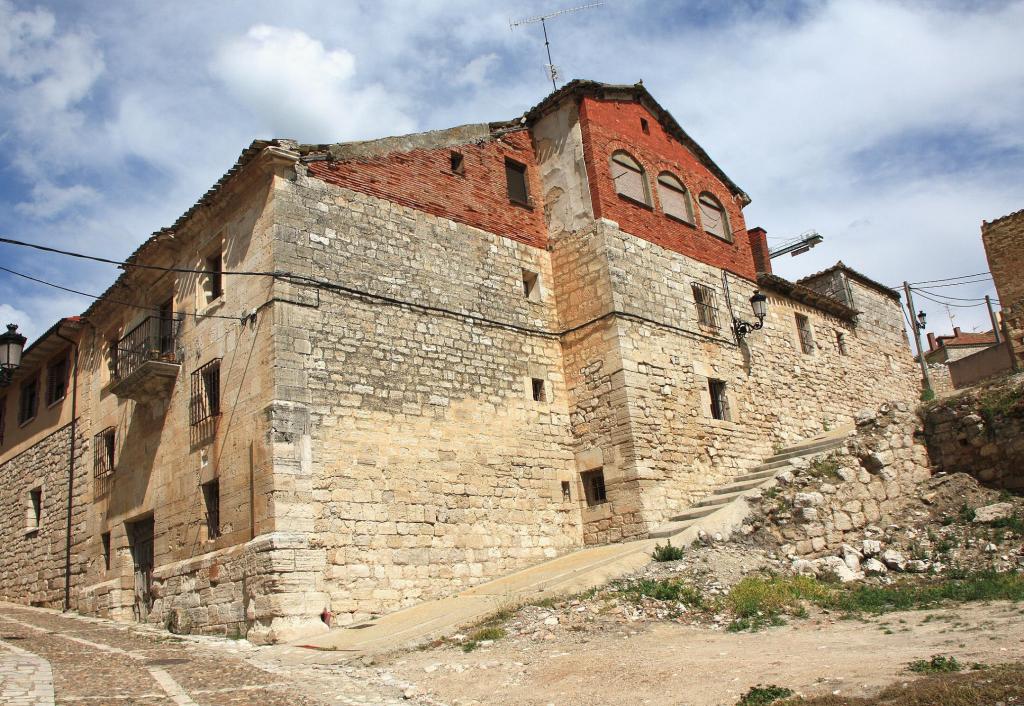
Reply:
x=141 y=536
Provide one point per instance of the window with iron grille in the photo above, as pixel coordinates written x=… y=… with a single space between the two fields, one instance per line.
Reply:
x=28 y=404
x=707 y=311
x=57 y=380
x=103 y=450
x=593 y=486
x=803 y=327
x=719 y=400
x=515 y=178
x=211 y=500
x=206 y=392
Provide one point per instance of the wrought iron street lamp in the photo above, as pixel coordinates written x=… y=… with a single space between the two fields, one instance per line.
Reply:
x=759 y=303
x=11 y=345
x=920 y=323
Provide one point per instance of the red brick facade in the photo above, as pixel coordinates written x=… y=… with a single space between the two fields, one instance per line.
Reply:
x=423 y=179
x=609 y=125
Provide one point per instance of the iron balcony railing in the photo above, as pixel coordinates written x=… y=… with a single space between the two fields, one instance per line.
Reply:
x=155 y=338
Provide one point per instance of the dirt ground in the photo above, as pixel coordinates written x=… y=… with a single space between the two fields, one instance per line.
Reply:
x=670 y=664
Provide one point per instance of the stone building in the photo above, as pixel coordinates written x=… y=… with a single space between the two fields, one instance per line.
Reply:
x=1004 y=247
x=946 y=349
x=360 y=375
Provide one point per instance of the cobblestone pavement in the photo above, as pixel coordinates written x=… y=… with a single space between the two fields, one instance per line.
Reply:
x=96 y=661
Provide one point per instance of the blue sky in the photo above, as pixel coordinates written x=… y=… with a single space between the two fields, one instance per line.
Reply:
x=893 y=128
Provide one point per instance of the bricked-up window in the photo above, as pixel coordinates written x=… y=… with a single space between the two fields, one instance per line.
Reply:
x=593 y=487
x=531 y=285
x=707 y=311
x=719 y=400
x=675 y=200
x=713 y=218
x=458 y=163
x=211 y=501
x=539 y=390
x=803 y=328
x=57 y=380
x=35 y=508
x=841 y=343
x=205 y=392
x=28 y=403
x=630 y=178
x=515 y=178
x=213 y=280
x=104 y=447
x=105 y=540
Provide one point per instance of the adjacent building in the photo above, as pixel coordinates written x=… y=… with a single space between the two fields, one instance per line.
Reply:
x=360 y=375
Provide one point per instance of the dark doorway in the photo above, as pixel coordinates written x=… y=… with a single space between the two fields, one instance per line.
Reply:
x=167 y=328
x=140 y=535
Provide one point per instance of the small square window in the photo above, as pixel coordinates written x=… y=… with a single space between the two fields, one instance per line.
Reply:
x=644 y=126
x=593 y=487
x=803 y=327
x=105 y=540
x=719 y=400
x=458 y=163
x=531 y=285
x=539 y=390
x=211 y=500
x=841 y=342
x=515 y=178
x=35 y=517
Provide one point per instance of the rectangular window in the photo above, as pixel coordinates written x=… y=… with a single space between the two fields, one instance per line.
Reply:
x=205 y=402
x=35 y=517
x=28 y=404
x=531 y=285
x=112 y=357
x=539 y=390
x=707 y=311
x=841 y=342
x=3 y=418
x=103 y=450
x=458 y=163
x=593 y=487
x=213 y=287
x=719 y=400
x=105 y=539
x=566 y=490
x=211 y=500
x=803 y=327
x=644 y=126
x=57 y=380
x=167 y=327
x=515 y=177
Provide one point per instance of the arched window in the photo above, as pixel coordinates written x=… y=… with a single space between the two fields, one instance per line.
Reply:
x=629 y=178
x=713 y=218
x=675 y=200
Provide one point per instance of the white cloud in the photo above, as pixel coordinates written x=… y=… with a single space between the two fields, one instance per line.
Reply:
x=26 y=325
x=300 y=89
x=475 y=72
x=49 y=200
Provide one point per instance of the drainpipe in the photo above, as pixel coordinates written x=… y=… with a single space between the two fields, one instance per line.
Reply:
x=71 y=472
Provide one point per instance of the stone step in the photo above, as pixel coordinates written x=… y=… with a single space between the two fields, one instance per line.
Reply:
x=808 y=450
x=746 y=484
x=693 y=513
x=670 y=529
x=719 y=499
x=770 y=473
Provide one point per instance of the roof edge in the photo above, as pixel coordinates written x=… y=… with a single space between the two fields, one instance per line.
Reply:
x=806 y=295
x=862 y=278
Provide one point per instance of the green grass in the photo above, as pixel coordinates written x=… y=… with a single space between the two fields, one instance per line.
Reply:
x=488 y=633
x=976 y=586
x=759 y=602
x=764 y=695
x=966 y=513
x=827 y=467
x=1013 y=523
x=667 y=552
x=938 y=664
x=661 y=590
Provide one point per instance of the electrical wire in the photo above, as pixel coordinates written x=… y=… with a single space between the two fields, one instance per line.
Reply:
x=939 y=301
x=959 y=284
x=950 y=296
x=950 y=279
x=108 y=299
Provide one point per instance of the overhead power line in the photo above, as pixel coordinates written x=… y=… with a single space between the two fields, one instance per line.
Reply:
x=939 y=301
x=950 y=279
x=950 y=296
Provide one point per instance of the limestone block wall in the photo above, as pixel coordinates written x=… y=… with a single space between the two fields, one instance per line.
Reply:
x=1004 y=246
x=405 y=421
x=32 y=564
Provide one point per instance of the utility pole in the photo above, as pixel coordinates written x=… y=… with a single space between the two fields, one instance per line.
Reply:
x=917 y=326
x=992 y=315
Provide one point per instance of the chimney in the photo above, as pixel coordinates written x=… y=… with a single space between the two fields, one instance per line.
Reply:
x=932 y=343
x=759 y=249
x=956 y=332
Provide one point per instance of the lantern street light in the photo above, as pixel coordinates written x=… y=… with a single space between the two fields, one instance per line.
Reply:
x=920 y=323
x=759 y=303
x=11 y=345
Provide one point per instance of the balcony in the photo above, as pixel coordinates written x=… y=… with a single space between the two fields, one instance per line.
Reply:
x=145 y=362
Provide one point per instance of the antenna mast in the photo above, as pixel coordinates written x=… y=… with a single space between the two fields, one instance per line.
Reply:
x=552 y=69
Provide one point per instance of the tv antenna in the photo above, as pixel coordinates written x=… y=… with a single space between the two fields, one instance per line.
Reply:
x=552 y=69
x=797 y=246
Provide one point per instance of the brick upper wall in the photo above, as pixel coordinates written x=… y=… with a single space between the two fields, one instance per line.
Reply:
x=422 y=179
x=610 y=125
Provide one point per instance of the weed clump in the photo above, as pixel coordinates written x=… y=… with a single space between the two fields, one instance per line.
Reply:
x=667 y=552
x=764 y=695
x=481 y=635
x=761 y=602
x=938 y=664
x=662 y=590
x=827 y=467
